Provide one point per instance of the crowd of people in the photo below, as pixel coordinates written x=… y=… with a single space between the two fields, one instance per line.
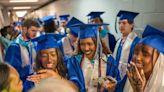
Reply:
x=68 y=55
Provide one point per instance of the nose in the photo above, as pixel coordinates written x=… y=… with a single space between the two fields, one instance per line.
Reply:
x=49 y=58
x=139 y=57
x=138 y=60
x=86 y=47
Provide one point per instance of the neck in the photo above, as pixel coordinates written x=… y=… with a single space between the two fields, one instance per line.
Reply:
x=126 y=34
x=90 y=57
x=147 y=75
x=24 y=37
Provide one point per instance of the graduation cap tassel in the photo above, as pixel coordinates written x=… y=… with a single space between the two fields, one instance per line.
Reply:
x=116 y=25
x=31 y=58
x=99 y=60
x=99 y=67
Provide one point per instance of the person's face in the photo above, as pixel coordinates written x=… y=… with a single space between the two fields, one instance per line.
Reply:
x=49 y=58
x=72 y=38
x=15 y=82
x=125 y=27
x=145 y=58
x=88 y=47
x=10 y=30
x=31 y=32
x=63 y=23
x=95 y=21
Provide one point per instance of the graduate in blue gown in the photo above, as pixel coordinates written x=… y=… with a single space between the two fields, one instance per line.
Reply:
x=68 y=44
x=107 y=37
x=63 y=20
x=145 y=72
x=49 y=63
x=125 y=45
x=21 y=53
x=49 y=24
x=93 y=62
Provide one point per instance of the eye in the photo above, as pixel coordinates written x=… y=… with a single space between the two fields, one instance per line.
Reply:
x=44 y=55
x=82 y=44
x=53 y=54
x=90 y=44
x=146 y=54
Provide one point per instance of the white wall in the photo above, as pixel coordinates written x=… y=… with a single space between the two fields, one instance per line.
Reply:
x=4 y=18
x=151 y=11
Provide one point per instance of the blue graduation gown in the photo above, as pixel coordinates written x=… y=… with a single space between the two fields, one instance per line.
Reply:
x=75 y=73
x=13 y=57
x=121 y=83
x=112 y=41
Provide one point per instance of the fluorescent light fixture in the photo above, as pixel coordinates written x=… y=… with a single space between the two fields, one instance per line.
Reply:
x=20 y=13
x=22 y=1
x=24 y=7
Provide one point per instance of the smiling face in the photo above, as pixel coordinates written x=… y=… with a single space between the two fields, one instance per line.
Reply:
x=145 y=58
x=49 y=58
x=88 y=47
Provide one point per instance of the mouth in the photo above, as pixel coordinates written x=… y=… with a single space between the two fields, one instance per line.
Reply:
x=88 y=52
x=49 y=65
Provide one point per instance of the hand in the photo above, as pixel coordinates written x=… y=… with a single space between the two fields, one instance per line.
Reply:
x=45 y=73
x=109 y=83
x=136 y=77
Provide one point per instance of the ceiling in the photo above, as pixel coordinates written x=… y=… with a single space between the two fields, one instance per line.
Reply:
x=30 y=6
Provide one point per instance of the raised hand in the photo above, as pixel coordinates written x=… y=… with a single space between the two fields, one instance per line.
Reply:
x=45 y=73
x=136 y=77
x=109 y=83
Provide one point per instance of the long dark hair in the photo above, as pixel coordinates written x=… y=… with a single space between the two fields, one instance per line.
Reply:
x=4 y=76
x=61 y=68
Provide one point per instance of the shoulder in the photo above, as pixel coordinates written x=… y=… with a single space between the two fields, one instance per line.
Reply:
x=74 y=59
x=111 y=59
x=14 y=45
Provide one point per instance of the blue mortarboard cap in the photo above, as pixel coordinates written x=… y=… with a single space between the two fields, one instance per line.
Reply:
x=127 y=15
x=64 y=17
x=154 y=38
x=94 y=14
x=46 y=41
x=74 y=30
x=48 y=19
x=88 y=30
x=149 y=30
x=39 y=21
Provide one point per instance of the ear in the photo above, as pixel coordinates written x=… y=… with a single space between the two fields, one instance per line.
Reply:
x=132 y=25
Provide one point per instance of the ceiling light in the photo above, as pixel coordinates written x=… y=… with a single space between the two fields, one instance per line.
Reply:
x=22 y=1
x=20 y=13
x=25 y=7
